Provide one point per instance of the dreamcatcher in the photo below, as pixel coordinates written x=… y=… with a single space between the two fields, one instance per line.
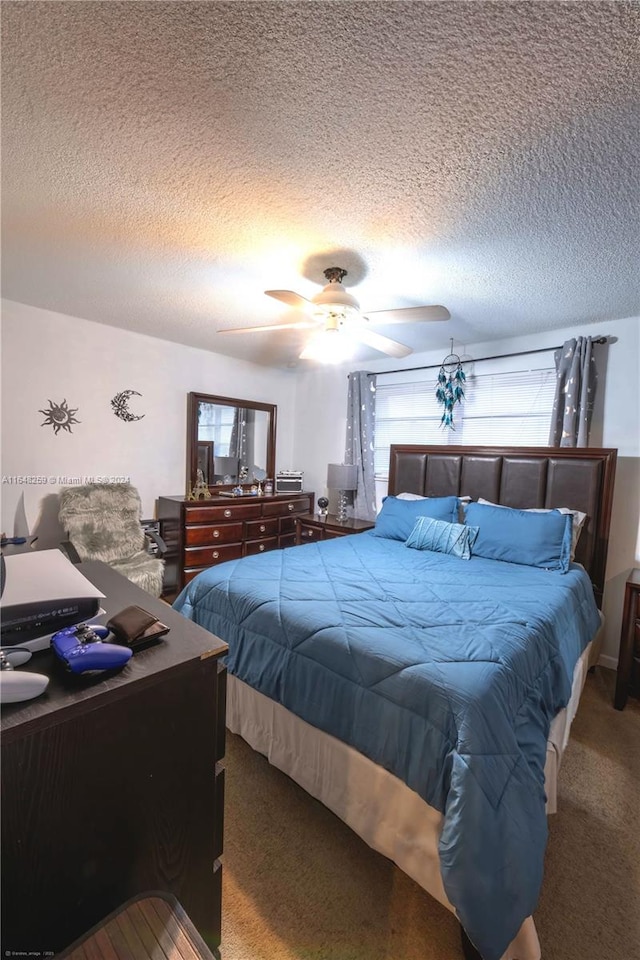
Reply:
x=449 y=390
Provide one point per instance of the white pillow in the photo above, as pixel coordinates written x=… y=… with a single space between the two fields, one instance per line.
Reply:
x=415 y=496
x=578 y=519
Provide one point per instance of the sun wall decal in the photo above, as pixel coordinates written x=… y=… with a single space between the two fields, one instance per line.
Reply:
x=59 y=416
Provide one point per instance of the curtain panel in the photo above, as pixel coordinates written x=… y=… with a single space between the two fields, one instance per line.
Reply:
x=238 y=441
x=575 y=393
x=359 y=445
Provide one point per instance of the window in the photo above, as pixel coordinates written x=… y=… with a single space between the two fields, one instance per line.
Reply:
x=510 y=408
x=215 y=422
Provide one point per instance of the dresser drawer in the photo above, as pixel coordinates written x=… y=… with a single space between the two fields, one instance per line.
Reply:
x=286 y=507
x=188 y=575
x=228 y=511
x=213 y=534
x=261 y=528
x=260 y=546
x=309 y=534
x=288 y=524
x=288 y=540
x=208 y=556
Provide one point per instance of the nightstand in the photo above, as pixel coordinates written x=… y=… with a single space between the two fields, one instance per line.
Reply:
x=628 y=680
x=310 y=527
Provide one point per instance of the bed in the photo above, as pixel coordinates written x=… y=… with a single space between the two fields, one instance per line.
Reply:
x=426 y=697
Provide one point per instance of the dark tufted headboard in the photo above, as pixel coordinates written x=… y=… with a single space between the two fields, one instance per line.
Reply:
x=521 y=477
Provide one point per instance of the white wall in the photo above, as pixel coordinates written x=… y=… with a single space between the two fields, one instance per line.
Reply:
x=53 y=357
x=321 y=401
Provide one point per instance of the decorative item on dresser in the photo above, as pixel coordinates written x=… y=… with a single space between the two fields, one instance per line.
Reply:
x=310 y=527
x=200 y=535
x=114 y=787
x=628 y=678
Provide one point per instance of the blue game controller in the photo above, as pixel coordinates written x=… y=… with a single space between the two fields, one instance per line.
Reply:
x=81 y=648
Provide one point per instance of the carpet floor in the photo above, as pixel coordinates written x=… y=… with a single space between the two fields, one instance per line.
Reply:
x=300 y=885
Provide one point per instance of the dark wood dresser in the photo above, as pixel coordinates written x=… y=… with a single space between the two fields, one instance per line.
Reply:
x=114 y=786
x=202 y=533
x=628 y=677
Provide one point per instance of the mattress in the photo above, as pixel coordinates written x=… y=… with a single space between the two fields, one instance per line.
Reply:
x=446 y=673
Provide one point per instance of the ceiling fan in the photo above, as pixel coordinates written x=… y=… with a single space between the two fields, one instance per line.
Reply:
x=340 y=325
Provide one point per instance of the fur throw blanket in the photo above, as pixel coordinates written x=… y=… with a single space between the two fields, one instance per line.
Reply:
x=103 y=521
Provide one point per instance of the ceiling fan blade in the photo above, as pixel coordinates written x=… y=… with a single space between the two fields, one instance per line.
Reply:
x=294 y=325
x=391 y=347
x=289 y=297
x=409 y=314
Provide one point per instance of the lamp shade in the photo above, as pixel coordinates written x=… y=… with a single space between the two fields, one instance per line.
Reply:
x=342 y=476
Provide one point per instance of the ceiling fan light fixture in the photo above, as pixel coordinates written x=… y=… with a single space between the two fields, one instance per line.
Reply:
x=329 y=346
x=334 y=315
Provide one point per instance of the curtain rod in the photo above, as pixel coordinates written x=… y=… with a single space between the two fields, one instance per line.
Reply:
x=498 y=356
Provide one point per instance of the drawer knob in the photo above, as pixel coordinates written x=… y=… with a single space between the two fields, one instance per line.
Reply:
x=216 y=533
x=227 y=513
x=308 y=533
x=216 y=554
x=261 y=548
x=291 y=506
x=262 y=528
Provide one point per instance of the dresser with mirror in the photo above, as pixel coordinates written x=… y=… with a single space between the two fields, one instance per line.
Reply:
x=231 y=445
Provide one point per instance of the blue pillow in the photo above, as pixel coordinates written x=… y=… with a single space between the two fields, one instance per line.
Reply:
x=518 y=536
x=454 y=538
x=397 y=517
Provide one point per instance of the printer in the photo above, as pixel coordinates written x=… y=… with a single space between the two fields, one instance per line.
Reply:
x=43 y=592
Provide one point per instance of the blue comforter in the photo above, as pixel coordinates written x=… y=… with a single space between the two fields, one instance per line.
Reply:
x=446 y=672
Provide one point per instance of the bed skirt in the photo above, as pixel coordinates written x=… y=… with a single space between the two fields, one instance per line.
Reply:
x=389 y=816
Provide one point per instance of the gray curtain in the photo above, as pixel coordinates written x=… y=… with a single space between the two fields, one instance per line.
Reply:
x=238 y=441
x=575 y=392
x=359 y=446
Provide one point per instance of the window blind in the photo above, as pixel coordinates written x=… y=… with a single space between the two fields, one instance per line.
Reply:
x=506 y=409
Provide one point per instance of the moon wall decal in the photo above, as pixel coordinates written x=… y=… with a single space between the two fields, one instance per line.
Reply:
x=120 y=405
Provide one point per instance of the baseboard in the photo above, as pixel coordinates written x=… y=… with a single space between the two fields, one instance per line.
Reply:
x=610 y=662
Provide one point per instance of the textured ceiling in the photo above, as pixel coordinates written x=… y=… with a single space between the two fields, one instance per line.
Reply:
x=164 y=163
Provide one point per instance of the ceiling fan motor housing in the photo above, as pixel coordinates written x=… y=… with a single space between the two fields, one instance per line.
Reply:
x=334 y=274
x=334 y=295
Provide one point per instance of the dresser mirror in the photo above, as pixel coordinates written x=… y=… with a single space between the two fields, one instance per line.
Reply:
x=229 y=441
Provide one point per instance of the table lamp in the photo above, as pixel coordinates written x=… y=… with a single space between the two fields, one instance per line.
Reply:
x=344 y=478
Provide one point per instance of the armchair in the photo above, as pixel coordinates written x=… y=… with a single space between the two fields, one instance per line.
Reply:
x=102 y=522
